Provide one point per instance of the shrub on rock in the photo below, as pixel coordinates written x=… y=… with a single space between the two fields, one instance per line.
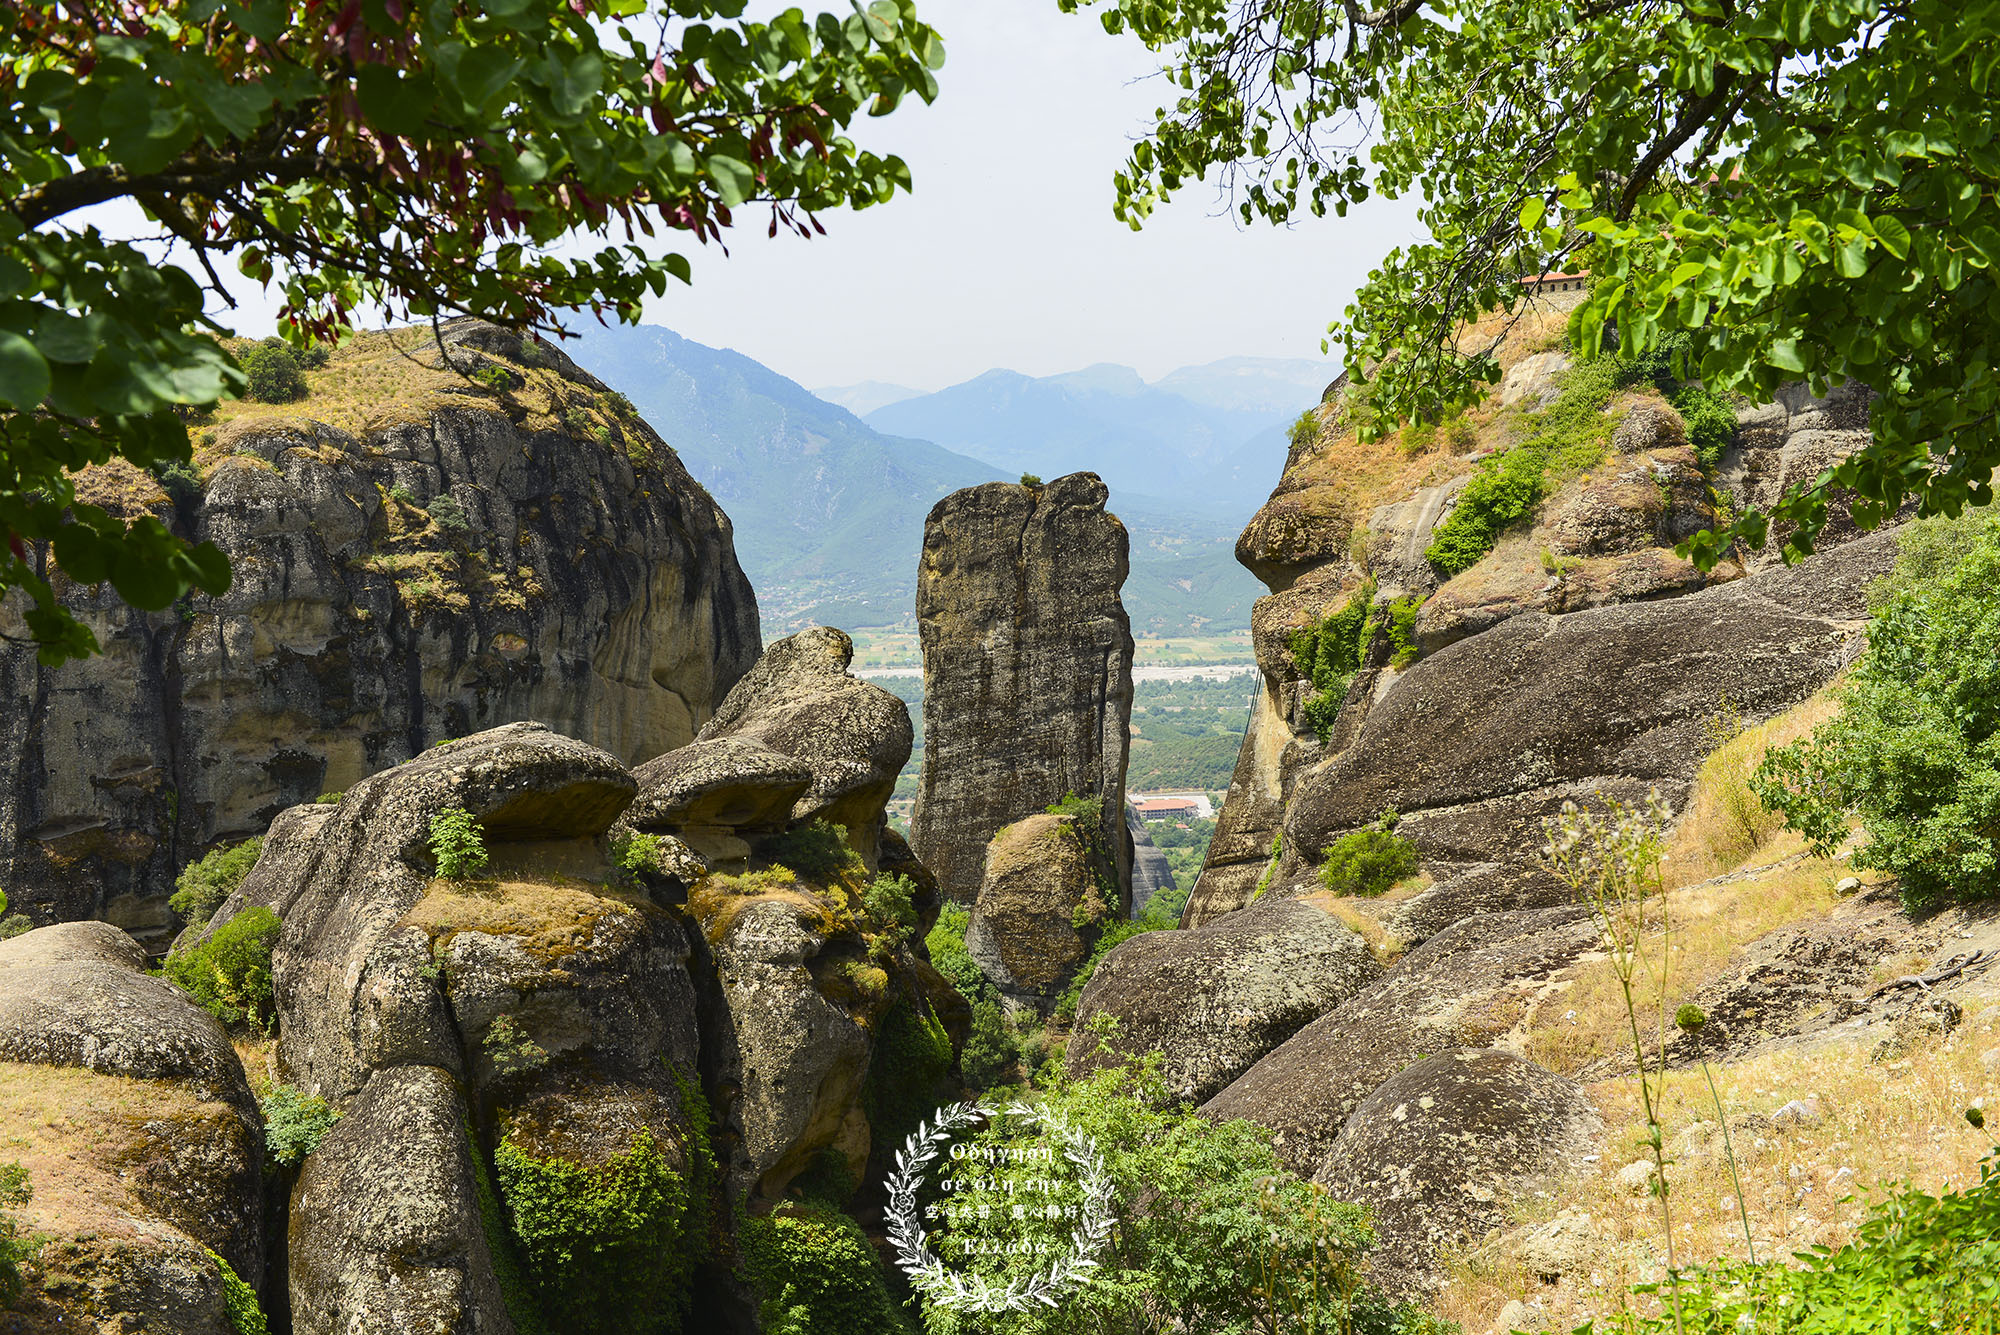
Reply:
x=229 y=974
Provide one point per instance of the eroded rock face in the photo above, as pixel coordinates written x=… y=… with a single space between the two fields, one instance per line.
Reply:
x=854 y=737
x=591 y=585
x=1788 y=443
x=1439 y=1150
x=1216 y=998
x=136 y=1183
x=1027 y=669
x=1151 y=872
x=717 y=795
x=1460 y=989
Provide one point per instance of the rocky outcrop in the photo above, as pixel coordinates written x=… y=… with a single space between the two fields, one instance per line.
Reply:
x=453 y=557
x=1027 y=669
x=1788 y=443
x=1461 y=989
x=560 y=1019
x=1215 y=999
x=1439 y=1151
x=853 y=736
x=1605 y=703
x=718 y=795
x=130 y=1112
x=1042 y=906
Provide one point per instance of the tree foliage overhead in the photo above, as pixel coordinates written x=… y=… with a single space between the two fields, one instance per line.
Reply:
x=419 y=157
x=1806 y=188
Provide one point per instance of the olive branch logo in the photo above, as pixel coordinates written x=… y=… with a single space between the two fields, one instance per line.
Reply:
x=946 y=1287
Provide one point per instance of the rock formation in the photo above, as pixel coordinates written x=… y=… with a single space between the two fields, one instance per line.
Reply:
x=1438 y=1150
x=1215 y=999
x=1044 y=901
x=1027 y=670
x=1596 y=564
x=463 y=556
x=129 y=1110
x=559 y=1016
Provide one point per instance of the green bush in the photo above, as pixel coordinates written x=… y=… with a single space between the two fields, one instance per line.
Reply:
x=15 y=1246
x=890 y=904
x=214 y=877
x=1207 y=1225
x=817 y=851
x=991 y=1047
x=1087 y=812
x=511 y=1049
x=814 y=1274
x=181 y=483
x=448 y=514
x=295 y=1123
x=606 y=1249
x=1304 y=429
x=1914 y=753
x=1917 y=1263
x=946 y=947
x=1368 y=861
x=316 y=357
x=458 y=844
x=239 y=1300
x=12 y=924
x=1329 y=653
x=635 y=854
x=907 y=1074
x=275 y=373
x=1030 y=480
x=1567 y=438
x=230 y=973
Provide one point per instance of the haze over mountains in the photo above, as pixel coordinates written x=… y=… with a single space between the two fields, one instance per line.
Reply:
x=829 y=507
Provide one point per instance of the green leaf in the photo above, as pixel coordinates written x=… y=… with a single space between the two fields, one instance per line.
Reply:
x=1531 y=213
x=1894 y=236
x=1784 y=354
x=24 y=374
x=392 y=102
x=733 y=178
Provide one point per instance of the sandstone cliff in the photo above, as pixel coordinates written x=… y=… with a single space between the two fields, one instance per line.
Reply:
x=417 y=556
x=1027 y=670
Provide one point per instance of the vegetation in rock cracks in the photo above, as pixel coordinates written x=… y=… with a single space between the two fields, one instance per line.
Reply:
x=229 y=974
x=204 y=883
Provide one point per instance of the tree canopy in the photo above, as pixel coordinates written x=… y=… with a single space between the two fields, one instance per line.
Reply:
x=1806 y=188
x=420 y=158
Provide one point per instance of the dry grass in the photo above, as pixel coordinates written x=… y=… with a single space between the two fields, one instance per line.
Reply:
x=1364 y=914
x=550 y=915
x=71 y=1129
x=1732 y=874
x=1586 y=1021
x=1900 y=1123
x=256 y=1053
x=1724 y=825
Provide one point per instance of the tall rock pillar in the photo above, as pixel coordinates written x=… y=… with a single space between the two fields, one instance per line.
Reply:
x=1027 y=669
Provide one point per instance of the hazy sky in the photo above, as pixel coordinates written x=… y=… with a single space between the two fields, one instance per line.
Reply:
x=1007 y=254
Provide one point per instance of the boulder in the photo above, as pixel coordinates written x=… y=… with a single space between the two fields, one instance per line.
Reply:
x=1041 y=908
x=1027 y=670
x=717 y=795
x=1439 y=1150
x=388 y=1232
x=1216 y=998
x=128 y=1109
x=795 y=1056
x=1463 y=988
x=442 y=563
x=854 y=737
x=1460 y=891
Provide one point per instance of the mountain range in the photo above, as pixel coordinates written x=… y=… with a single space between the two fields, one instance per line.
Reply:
x=829 y=507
